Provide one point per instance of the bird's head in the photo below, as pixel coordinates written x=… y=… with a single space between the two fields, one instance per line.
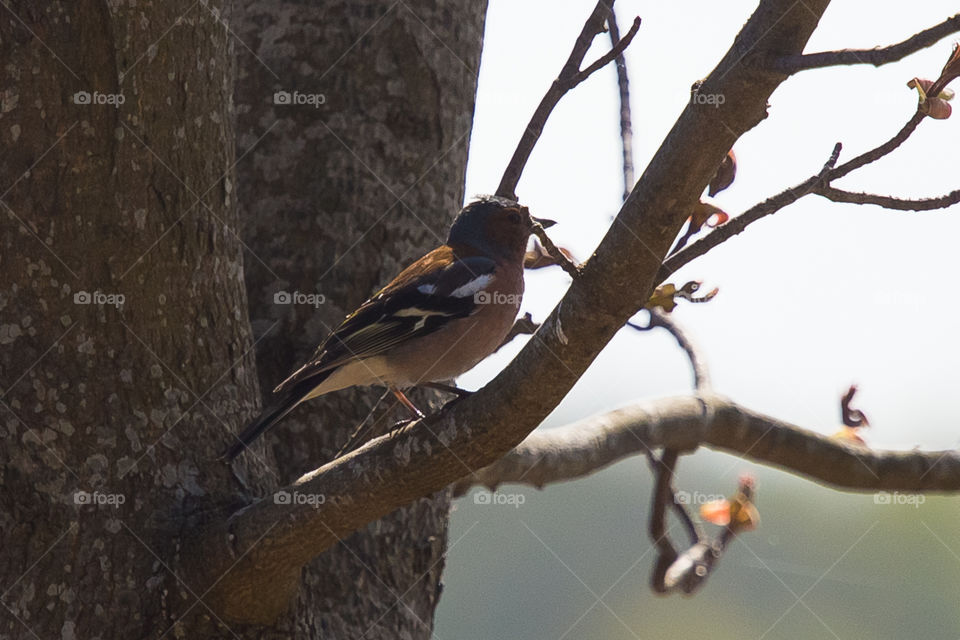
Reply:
x=497 y=227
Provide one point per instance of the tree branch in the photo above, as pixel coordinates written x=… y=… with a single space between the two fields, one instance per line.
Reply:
x=820 y=184
x=524 y=326
x=688 y=570
x=877 y=56
x=570 y=76
x=738 y=223
x=878 y=152
x=683 y=423
x=658 y=318
x=626 y=119
x=554 y=252
x=663 y=494
x=888 y=202
x=608 y=57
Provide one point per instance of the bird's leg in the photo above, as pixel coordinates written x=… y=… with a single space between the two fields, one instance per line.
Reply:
x=449 y=388
x=405 y=401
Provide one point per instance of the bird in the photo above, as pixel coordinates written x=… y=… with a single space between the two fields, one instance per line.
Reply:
x=437 y=319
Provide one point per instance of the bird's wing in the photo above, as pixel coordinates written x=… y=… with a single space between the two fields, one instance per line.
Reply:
x=421 y=300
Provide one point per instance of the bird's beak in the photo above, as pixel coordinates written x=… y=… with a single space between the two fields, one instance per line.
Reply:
x=543 y=222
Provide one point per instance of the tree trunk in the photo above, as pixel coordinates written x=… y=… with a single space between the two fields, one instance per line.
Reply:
x=337 y=195
x=125 y=356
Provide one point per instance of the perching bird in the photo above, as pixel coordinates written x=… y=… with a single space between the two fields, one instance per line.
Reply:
x=436 y=320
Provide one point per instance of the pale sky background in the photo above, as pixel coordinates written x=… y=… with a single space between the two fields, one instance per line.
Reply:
x=812 y=299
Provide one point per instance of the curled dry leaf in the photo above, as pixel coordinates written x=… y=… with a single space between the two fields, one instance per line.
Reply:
x=738 y=513
x=934 y=95
x=665 y=296
x=704 y=213
x=850 y=435
x=716 y=512
x=726 y=174
x=688 y=290
x=853 y=420
x=937 y=106
x=707 y=213
x=538 y=258
x=852 y=417
x=923 y=86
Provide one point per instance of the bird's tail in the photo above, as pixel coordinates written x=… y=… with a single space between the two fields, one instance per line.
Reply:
x=269 y=417
x=285 y=400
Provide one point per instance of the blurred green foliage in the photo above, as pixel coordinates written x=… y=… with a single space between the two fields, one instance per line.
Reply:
x=823 y=564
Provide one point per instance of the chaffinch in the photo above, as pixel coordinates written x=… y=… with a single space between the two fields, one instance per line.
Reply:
x=436 y=320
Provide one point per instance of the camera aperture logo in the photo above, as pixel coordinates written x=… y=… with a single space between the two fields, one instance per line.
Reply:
x=100 y=99
x=297 y=498
x=499 y=498
x=98 y=498
x=296 y=99
x=99 y=298
x=885 y=497
x=296 y=297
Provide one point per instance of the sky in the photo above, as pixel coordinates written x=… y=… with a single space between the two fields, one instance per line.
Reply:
x=817 y=297
x=813 y=299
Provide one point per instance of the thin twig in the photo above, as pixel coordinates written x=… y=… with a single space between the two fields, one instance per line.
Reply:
x=877 y=56
x=570 y=76
x=875 y=154
x=663 y=495
x=658 y=318
x=626 y=118
x=819 y=183
x=668 y=464
x=739 y=223
x=554 y=252
x=686 y=571
x=522 y=327
x=608 y=57
x=888 y=202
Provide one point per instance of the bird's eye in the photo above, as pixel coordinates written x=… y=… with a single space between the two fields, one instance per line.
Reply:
x=514 y=217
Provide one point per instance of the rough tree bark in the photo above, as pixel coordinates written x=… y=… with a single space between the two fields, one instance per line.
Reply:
x=111 y=414
x=334 y=201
